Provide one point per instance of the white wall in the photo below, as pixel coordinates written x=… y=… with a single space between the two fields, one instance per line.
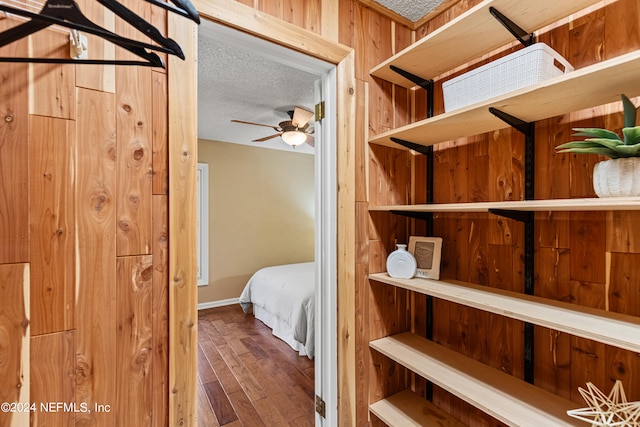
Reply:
x=261 y=208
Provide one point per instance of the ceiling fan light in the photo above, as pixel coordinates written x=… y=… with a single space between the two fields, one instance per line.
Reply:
x=294 y=137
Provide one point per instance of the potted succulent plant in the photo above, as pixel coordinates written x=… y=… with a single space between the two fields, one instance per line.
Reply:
x=619 y=176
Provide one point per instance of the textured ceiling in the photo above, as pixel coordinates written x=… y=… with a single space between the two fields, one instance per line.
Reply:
x=239 y=79
x=413 y=10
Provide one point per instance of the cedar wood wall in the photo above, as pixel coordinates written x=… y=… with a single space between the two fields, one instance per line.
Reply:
x=587 y=258
x=83 y=228
x=84 y=234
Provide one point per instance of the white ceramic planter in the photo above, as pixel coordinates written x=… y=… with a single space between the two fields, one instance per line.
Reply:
x=617 y=177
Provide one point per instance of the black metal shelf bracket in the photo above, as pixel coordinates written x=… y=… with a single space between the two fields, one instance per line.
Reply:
x=527 y=218
x=422 y=149
x=426 y=84
x=518 y=124
x=521 y=35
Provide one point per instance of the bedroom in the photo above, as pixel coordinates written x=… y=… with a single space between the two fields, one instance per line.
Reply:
x=261 y=213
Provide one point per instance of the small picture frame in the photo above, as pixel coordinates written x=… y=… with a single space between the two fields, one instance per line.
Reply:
x=428 y=252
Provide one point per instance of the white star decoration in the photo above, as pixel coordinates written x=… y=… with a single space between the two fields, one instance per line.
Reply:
x=607 y=411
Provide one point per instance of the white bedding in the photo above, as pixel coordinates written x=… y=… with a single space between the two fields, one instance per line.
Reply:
x=283 y=299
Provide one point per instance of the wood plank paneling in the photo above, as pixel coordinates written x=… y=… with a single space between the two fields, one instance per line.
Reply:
x=52 y=379
x=52 y=224
x=134 y=126
x=14 y=163
x=389 y=176
x=61 y=142
x=552 y=361
x=135 y=157
x=134 y=298
x=623 y=233
x=623 y=291
x=98 y=77
x=96 y=255
x=624 y=366
x=587 y=246
x=52 y=93
x=361 y=345
x=501 y=179
x=160 y=137
x=160 y=306
x=619 y=38
x=361 y=146
x=14 y=342
x=302 y=13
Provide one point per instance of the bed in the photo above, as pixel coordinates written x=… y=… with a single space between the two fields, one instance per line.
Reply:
x=282 y=298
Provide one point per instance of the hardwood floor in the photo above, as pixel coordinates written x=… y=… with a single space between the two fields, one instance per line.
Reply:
x=247 y=377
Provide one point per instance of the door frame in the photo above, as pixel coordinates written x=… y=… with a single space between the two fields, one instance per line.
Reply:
x=182 y=95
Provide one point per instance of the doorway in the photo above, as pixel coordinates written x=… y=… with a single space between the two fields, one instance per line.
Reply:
x=338 y=130
x=325 y=246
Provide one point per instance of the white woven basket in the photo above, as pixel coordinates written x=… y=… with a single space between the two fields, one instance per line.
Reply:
x=525 y=67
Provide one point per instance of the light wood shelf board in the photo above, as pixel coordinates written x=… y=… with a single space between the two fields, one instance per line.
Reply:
x=472 y=34
x=579 y=204
x=407 y=409
x=615 y=329
x=502 y=396
x=605 y=81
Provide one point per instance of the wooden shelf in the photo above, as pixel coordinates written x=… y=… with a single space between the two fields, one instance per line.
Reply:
x=500 y=395
x=471 y=35
x=457 y=43
x=407 y=409
x=596 y=84
x=615 y=329
x=583 y=204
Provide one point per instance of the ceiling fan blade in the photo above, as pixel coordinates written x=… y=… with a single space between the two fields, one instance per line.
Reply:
x=310 y=140
x=301 y=117
x=266 y=138
x=256 y=124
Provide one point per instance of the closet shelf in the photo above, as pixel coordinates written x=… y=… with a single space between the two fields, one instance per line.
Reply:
x=500 y=395
x=407 y=409
x=471 y=35
x=615 y=329
x=597 y=84
x=582 y=204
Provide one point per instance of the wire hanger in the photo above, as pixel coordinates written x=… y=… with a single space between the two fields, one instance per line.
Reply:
x=68 y=14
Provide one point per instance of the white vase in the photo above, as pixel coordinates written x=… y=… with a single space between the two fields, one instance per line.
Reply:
x=617 y=177
x=401 y=264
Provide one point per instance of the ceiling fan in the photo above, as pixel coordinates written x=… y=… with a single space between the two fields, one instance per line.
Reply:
x=294 y=131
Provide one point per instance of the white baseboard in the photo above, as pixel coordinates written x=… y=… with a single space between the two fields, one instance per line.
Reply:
x=221 y=303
